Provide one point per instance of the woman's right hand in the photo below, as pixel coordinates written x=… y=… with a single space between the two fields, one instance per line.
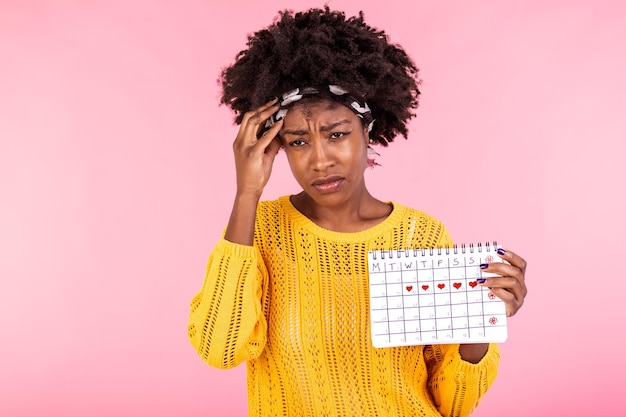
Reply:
x=254 y=156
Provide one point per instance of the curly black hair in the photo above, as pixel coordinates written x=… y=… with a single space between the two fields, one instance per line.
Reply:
x=319 y=47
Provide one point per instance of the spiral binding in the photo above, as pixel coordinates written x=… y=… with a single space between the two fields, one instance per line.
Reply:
x=471 y=248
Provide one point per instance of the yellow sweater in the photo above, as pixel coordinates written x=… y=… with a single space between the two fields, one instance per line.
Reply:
x=295 y=306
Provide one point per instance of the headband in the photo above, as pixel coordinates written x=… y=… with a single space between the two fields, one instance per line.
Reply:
x=359 y=107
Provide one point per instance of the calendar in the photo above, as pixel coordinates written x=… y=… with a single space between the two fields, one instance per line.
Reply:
x=432 y=296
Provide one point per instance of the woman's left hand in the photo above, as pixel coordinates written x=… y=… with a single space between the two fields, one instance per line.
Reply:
x=510 y=286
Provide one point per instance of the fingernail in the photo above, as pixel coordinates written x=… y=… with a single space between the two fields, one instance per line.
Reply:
x=501 y=251
x=483 y=266
x=481 y=280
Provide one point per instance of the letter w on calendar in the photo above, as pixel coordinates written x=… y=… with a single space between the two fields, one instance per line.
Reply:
x=432 y=296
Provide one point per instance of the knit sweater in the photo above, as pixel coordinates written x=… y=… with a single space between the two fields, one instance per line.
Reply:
x=295 y=307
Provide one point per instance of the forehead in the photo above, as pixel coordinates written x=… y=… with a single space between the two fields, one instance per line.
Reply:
x=308 y=109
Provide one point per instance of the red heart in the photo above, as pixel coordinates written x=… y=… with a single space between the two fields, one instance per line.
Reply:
x=441 y=286
x=409 y=288
x=424 y=287
x=473 y=284
x=457 y=285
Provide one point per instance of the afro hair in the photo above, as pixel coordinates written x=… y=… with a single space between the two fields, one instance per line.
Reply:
x=321 y=47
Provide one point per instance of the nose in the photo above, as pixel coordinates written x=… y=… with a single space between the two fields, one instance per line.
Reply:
x=321 y=156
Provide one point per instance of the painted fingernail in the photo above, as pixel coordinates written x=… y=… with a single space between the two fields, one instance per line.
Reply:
x=483 y=266
x=481 y=280
x=501 y=251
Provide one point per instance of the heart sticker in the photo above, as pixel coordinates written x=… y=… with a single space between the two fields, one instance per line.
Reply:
x=457 y=285
x=424 y=287
x=441 y=286
x=409 y=288
x=473 y=284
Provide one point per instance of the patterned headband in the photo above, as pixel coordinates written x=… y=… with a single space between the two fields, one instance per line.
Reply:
x=359 y=107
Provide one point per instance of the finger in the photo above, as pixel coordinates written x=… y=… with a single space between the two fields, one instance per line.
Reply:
x=508 y=290
x=253 y=121
x=253 y=130
x=273 y=148
x=513 y=276
x=259 y=115
x=512 y=258
x=515 y=268
x=512 y=304
x=502 y=269
x=509 y=284
x=263 y=149
x=270 y=134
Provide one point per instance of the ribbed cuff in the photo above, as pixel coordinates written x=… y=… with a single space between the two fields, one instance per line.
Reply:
x=229 y=248
x=489 y=361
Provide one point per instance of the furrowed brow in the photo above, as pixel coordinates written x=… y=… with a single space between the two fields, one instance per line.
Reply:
x=302 y=132
x=334 y=125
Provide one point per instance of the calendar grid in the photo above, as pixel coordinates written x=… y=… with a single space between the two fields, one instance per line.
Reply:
x=422 y=297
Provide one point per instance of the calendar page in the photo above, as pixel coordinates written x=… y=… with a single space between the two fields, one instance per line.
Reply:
x=432 y=296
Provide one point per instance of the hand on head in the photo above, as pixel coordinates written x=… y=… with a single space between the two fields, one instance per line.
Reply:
x=254 y=154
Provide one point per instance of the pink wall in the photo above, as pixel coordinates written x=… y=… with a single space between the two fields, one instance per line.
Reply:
x=116 y=177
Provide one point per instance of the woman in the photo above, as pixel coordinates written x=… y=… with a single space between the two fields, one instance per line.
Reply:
x=286 y=289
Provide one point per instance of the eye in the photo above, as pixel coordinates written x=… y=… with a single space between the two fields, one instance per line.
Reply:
x=337 y=135
x=297 y=143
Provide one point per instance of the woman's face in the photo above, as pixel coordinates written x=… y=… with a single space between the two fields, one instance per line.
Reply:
x=326 y=146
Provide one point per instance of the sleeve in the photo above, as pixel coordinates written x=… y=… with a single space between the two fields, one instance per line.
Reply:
x=456 y=385
x=227 y=323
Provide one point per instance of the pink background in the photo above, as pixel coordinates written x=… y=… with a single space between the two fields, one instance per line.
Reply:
x=116 y=179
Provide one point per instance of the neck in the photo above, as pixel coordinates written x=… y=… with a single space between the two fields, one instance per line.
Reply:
x=357 y=214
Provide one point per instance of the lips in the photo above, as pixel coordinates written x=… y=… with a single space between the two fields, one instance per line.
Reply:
x=328 y=184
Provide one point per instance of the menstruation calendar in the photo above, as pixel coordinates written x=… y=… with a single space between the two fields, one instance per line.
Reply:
x=432 y=296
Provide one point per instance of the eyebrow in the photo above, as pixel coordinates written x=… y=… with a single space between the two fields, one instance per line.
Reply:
x=301 y=132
